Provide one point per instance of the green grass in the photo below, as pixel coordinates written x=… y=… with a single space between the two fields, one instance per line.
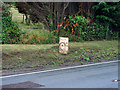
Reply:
x=18 y=18
x=31 y=56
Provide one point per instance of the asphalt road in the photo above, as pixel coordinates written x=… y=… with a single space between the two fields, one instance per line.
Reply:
x=97 y=76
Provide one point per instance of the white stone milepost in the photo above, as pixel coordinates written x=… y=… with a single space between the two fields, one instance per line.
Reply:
x=63 y=45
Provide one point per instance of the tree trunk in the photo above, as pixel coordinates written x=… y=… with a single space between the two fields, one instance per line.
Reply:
x=26 y=18
x=55 y=15
x=23 y=19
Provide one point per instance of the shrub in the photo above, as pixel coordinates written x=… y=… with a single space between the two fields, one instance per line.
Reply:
x=86 y=30
x=93 y=31
x=10 y=30
x=79 y=24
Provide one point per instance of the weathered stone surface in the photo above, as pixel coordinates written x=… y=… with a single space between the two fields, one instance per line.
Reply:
x=63 y=45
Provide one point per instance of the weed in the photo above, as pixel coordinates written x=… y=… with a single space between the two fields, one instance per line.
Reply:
x=62 y=61
x=108 y=53
x=42 y=57
x=99 y=51
x=31 y=66
x=46 y=64
x=58 y=62
x=108 y=58
x=25 y=61
x=93 y=60
x=82 y=48
x=99 y=57
x=69 y=62
x=11 y=67
x=54 y=50
x=76 y=60
x=87 y=59
x=54 y=63
x=81 y=63
x=18 y=62
x=21 y=67
x=83 y=56
x=76 y=52
x=19 y=58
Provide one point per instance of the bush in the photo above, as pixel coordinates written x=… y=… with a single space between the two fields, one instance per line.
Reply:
x=86 y=30
x=93 y=32
x=10 y=30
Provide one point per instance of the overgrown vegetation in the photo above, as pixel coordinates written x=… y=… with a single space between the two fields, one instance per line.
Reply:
x=10 y=30
x=79 y=28
x=76 y=26
x=14 y=32
x=107 y=14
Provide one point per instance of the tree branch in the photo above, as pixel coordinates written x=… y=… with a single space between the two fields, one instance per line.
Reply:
x=65 y=6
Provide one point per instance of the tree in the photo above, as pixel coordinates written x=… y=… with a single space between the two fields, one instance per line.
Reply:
x=108 y=14
x=52 y=13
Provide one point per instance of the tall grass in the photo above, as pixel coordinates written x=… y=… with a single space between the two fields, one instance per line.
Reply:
x=37 y=37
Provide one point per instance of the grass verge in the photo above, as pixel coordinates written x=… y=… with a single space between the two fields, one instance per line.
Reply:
x=46 y=55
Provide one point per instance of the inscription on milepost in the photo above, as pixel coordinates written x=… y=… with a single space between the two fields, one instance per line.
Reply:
x=63 y=45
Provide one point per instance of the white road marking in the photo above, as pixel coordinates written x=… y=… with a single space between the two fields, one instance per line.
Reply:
x=57 y=69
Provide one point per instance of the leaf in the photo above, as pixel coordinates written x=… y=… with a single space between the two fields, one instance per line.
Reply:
x=105 y=18
x=72 y=31
x=76 y=52
x=87 y=59
x=70 y=17
x=77 y=24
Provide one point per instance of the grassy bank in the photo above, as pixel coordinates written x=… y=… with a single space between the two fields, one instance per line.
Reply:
x=46 y=55
x=18 y=18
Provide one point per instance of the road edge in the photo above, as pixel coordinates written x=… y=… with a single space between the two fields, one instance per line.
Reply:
x=60 y=69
